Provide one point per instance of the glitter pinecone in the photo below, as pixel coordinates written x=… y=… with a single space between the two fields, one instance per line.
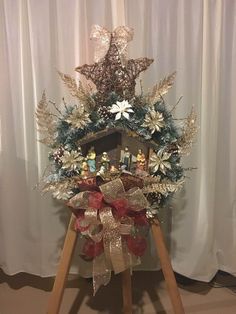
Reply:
x=57 y=155
x=104 y=113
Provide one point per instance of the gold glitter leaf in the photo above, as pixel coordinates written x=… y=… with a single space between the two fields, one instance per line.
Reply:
x=60 y=189
x=164 y=188
x=189 y=132
x=161 y=88
x=80 y=91
x=45 y=121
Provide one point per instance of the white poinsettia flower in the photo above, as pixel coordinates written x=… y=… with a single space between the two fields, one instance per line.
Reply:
x=154 y=121
x=159 y=161
x=122 y=109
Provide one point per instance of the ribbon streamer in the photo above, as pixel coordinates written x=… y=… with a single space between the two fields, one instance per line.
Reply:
x=100 y=224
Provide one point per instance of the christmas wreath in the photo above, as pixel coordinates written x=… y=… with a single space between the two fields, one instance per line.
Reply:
x=114 y=199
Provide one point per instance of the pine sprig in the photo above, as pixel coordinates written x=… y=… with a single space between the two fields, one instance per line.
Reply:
x=160 y=89
x=46 y=122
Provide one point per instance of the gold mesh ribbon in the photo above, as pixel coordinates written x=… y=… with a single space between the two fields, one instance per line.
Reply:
x=120 y=36
x=103 y=226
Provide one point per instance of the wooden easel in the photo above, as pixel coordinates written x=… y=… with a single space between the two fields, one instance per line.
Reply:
x=65 y=261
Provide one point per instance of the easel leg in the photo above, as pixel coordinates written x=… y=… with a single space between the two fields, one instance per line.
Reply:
x=127 y=292
x=167 y=269
x=63 y=269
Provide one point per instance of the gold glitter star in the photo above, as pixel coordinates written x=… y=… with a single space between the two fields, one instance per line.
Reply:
x=110 y=75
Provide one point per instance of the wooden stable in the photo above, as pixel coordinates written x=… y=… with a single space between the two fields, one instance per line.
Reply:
x=113 y=141
x=65 y=262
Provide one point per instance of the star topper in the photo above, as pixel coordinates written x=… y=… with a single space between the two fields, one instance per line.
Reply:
x=112 y=72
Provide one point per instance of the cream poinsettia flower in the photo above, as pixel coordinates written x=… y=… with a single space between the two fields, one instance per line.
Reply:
x=154 y=121
x=122 y=109
x=159 y=161
x=78 y=118
x=71 y=160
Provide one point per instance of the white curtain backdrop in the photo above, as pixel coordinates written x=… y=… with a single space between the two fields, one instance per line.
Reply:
x=195 y=38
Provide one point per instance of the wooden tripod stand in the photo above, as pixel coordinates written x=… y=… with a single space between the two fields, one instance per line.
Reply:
x=65 y=261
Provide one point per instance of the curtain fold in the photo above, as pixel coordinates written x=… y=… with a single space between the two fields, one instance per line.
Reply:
x=195 y=38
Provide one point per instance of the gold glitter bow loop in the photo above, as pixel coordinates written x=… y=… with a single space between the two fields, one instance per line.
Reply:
x=95 y=227
x=102 y=39
x=101 y=225
x=120 y=37
x=80 y=200
x=112 y=240
x=90 y=224
x=137 y=201
x=123 y=34
x=115 y=251
x=112 y=190
x=115 y=190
